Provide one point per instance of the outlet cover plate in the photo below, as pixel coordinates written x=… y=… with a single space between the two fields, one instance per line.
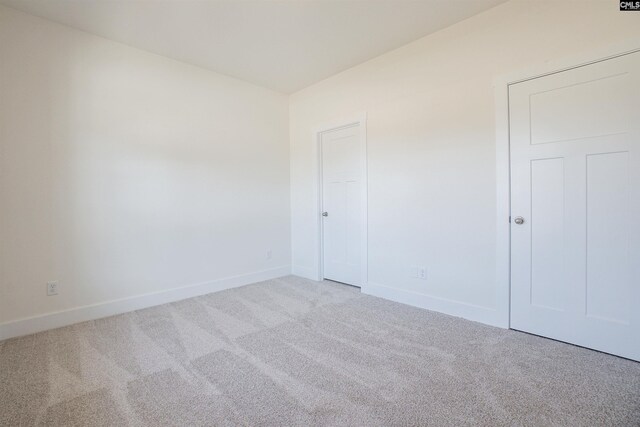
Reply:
x=52 y=288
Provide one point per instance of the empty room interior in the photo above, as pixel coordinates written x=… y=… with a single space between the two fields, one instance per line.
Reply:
x=319 y=213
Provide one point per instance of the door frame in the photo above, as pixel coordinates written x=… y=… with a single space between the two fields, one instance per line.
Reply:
x=503 y=157
x=361 y=121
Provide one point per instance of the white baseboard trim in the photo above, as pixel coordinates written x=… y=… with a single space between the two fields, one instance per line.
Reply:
x=467 y=311
x=58 y=319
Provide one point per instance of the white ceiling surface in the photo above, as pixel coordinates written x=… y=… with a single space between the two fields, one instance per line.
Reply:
x=282 y=45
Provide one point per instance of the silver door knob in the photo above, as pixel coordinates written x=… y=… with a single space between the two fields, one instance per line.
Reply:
x=325 y=213
x=519 y=220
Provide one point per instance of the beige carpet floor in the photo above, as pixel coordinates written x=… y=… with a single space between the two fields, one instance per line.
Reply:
x=291 y=352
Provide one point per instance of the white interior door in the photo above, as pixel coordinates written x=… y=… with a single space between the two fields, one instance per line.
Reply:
x=341 y=205
x=575 y=182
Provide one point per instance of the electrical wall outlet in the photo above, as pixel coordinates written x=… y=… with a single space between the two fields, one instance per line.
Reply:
x=269 y=254
x=413 y=270
x=418 y=272
x=52 y=288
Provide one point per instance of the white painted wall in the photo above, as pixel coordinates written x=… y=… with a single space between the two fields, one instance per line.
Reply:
x=124 y=173
x=431 y=148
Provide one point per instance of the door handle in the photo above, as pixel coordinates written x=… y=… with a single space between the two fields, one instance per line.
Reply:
x=519 y=220
x=325 y=213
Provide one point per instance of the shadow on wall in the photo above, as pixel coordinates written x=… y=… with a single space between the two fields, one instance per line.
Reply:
x=126 y=173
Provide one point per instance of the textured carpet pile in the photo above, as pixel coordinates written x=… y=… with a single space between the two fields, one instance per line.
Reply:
x=293 y=352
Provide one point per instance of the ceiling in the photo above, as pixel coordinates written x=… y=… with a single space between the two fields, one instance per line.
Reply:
x=283 y=45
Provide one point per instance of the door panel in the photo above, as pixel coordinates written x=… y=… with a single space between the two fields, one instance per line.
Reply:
x=608 y=289
x=547 y=205
x=575 y=179
x=341 y=200
x=579 y=110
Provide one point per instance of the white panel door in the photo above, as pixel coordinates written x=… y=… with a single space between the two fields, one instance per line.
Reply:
x=341 y=205
x=575 y=183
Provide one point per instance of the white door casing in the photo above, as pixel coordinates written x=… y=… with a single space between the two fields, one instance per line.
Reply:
x=342 y=204
x=575 y=180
